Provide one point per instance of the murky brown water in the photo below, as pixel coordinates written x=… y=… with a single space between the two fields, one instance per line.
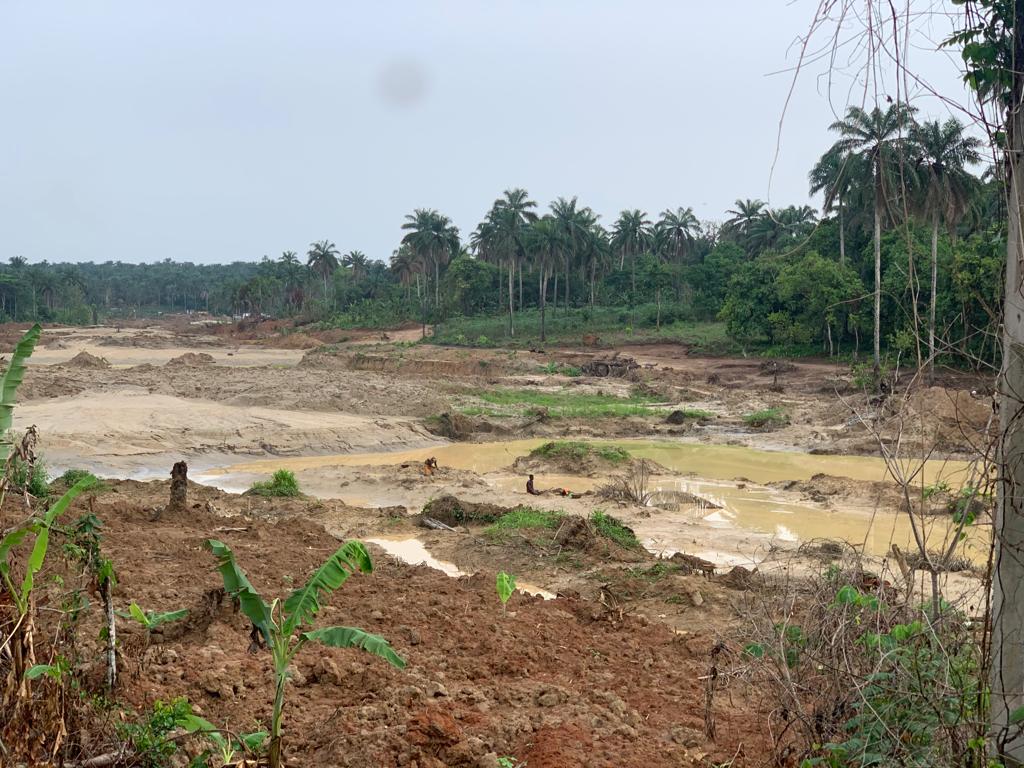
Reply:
x=728 y=476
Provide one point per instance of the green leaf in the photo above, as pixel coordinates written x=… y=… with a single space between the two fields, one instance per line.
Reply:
x=12 y=377
x=353 y=637
x=303 y=604
x=251 y=742
x=237 y=584
x=756 y=650
x=156 y=619
x=139 y=615
x=195 y=724
x=43 y=669
x=1017 y=716
x=506 y=585
x=847 y=595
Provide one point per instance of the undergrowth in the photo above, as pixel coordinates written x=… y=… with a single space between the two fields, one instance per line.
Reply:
x=282 y=483
x=610 y=528
x=571 y=449
x=768 y=417
x=562 y=404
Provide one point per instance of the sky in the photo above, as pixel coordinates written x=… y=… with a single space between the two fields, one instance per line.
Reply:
x=223 y=131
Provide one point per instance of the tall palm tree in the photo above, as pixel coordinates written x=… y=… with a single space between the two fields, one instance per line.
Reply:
x=322 y=258
x=631 y=235
x=576 y=226
x=357 y=262
x=291 y=271
x=744 y=216
x=879 y=138
x=544 y=245
x=835 y=175
x=943 y=151
x=510 y=216
x=407 y=267
x=434 y=238
x=680 y=228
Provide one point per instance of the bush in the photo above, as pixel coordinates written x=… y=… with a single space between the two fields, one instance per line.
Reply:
x=72 y=476
x=33 y=480
x=767 y=418
x=283 y=483
x=578 y=451
x=611 y=528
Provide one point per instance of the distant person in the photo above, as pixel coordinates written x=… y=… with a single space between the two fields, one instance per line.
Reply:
x=530 y=489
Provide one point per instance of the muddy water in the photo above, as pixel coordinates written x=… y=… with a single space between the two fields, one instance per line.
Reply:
x=718 y=462
x=731 y=477
x=413 y=551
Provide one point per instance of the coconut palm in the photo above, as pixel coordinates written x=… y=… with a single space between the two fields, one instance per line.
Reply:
x=508 y=219
x=631 y=235
x=577 y=228
x=943 y=151
x=879 y=138
x=322 y=258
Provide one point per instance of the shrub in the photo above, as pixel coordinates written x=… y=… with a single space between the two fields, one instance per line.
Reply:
x=611 y=528
x=576 y=450
x=283 y=483
x=767 y=418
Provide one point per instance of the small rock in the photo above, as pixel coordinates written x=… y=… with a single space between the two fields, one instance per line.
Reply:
x=296 y=678
x=696 y=598
x=376 y=615
x=490 y=760
x=326 y=671
x=435 y=690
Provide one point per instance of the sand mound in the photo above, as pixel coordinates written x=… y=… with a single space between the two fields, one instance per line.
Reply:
x=452 y=511
x=454 y=426
x=192 y=359
x=87 y=360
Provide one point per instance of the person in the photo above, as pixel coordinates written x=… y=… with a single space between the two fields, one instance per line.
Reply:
x=530 y=489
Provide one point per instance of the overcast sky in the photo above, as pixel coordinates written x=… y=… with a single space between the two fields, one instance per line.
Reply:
x=220 y=131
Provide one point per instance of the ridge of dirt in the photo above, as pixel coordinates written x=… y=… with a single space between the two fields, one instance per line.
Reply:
x=192 y=359
x=87 y=360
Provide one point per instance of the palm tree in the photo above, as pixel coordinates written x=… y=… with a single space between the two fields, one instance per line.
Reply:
x=835 y=174
x=407 y=267
x=943 y=152
x=433 y=238
x=680 y=227
x=544 y=245
x=879 y=138
x=322 y=258
x=631 y=235
x=576 y=227
x=357 y=262
x=509 y=217
x=744 y=216
x=291 y=269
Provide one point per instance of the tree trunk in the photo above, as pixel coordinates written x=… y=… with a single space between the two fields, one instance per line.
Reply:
x=108 y=608
x=593 y=280
x=179 y=487
x=567 y=285
x=554 y=293
x=1007 y=642
x=877 y=350
x=437 y=282
x=842 y=233
x=543 y=302
x=511 y=309
x=932 y=298
x=520 y=287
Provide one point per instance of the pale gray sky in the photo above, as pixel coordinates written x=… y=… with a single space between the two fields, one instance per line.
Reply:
x=216 y=131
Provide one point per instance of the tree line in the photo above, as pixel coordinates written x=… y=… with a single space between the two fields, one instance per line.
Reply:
x=905 y=252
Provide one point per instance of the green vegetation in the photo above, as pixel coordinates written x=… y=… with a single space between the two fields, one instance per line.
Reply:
x=151 y=739
x=610 y=528
x=72 y=476
x=767 y=418
x=29 y=477
x=282 y=483
x=562 y=404
x=280 y=625
x=566 y=449
x=506 y=585
x=521 y=518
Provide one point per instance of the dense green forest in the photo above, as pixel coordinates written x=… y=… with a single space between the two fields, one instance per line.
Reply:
x=906 y=256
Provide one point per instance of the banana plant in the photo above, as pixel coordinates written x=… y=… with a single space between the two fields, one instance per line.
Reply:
x=150 y=620
x=282 y=625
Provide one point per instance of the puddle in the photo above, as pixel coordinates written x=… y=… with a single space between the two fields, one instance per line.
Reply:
x=414 y=552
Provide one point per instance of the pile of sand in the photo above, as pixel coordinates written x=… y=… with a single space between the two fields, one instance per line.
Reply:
x=192 y=359
x=87 y=360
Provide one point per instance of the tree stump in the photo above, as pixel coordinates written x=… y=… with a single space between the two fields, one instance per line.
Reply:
x=179 y=487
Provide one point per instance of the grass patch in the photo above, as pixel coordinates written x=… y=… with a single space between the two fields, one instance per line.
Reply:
x=564 y=404
x=610 y=528
x=652 y=573
x=698 y=414
x=521 y=518
x=612 y=325
x=283 y=483
x=769 y=417
x=32 y=479
x=568 y=449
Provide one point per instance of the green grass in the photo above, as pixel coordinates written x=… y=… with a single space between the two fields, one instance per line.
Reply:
x=568 y=449
x=562 y=404
x=612 y=325
x=72 y=476
x=610 y=528
x=523 y=517
x=33 y=480
x=652 y=573
x=283 y=483
x=769 y=417
x=695 y=413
